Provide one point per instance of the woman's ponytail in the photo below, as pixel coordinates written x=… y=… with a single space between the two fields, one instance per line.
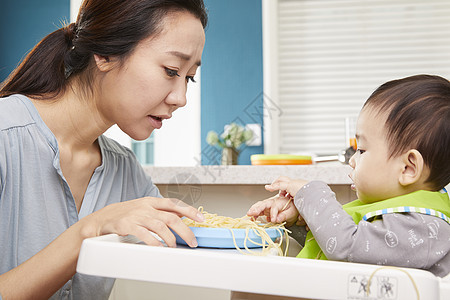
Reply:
x=43 y=71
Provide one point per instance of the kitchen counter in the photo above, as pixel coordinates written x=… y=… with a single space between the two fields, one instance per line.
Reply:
x=231 y=190
x=331 y=173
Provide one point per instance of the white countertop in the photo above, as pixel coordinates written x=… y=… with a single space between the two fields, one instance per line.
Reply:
x=330 y=172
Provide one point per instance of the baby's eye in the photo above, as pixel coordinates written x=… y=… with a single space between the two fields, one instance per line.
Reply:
x=171 y=72
x=360 y=151
x=190 y=78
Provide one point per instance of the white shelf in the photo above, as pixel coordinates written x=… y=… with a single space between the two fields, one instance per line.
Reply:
x=117 y=257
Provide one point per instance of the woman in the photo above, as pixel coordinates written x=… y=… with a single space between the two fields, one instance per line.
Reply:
x=61 y=181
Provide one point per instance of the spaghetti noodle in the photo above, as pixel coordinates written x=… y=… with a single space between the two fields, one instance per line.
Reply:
x=258 y=228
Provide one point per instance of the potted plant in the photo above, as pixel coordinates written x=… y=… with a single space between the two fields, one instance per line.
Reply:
x=233 y=137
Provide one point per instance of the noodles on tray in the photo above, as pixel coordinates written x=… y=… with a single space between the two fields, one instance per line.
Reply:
x=247 y=223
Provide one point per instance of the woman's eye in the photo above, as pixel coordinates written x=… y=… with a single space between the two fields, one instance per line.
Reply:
x=360 y=151
x=172 y=72
x=191 y=78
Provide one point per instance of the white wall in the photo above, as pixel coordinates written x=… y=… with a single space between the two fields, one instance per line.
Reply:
x=74 y=6
x=177 y=143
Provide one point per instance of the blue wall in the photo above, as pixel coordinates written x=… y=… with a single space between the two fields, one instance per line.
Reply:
x=232 y=71
x=23 y=23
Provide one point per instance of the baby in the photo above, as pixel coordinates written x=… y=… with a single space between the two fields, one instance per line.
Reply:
x=400 y=169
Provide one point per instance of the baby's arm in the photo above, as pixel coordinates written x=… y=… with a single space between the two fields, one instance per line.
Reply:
x=405 y=240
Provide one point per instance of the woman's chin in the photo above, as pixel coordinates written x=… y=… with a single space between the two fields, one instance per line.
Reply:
x=140 y=136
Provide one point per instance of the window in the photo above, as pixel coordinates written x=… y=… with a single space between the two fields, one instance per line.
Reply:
x=323 y=58
x=144 y=150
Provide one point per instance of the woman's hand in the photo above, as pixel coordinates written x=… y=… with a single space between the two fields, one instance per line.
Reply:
x=277 y=209
x=142 y=216
x=286 y=185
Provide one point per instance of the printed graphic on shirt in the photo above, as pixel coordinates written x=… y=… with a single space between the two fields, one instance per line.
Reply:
x=335 y=216
x=367 y=247
x=423 y=220
x=323 y=201
x=433 y=230
x=331 y=245
x=391 y=239
x=315 y=212
x=413 y=239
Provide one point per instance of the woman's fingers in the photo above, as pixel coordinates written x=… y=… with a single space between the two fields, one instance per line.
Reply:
x=168 y=222
x=142 y=216
x=167 y=218
x=146 y=236
x=178 y=207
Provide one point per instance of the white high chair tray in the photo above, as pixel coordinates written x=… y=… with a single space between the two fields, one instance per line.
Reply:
x=119 y=257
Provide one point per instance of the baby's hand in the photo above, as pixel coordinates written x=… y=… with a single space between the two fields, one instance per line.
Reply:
x=286 y=185
x=277 y=209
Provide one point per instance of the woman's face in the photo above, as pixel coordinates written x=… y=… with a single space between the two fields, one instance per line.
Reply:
x=375 y=174
x=152 y=82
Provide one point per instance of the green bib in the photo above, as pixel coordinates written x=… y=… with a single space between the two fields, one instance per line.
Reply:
x=425 y=202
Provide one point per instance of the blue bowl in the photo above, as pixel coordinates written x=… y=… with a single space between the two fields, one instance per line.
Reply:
x=222 y=238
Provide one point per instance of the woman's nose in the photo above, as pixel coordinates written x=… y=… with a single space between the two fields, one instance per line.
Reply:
x=177 y=96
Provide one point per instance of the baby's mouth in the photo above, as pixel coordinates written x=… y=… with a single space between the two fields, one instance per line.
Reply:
x=352 y=186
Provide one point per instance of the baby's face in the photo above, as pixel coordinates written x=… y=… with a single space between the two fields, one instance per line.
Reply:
x=375 y=174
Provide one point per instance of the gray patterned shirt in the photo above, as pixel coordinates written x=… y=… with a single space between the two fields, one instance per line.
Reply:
x=36 y=204
x=398 y=239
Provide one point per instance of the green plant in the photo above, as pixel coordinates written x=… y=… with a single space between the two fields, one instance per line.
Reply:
x=233 y=137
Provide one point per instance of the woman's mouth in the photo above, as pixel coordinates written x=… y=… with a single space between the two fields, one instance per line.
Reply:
x=156 y=122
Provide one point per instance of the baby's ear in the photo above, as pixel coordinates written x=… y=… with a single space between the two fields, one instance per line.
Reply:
x=413 y=167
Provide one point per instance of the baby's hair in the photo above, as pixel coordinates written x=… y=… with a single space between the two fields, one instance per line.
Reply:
x=418 y=117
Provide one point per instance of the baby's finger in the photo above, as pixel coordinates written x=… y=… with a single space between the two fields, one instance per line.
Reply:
x=282 y=217
x=260 y=207
x=274 y=213
x=300 y=221
x=277 y=186
x=270 y=188
x=254 y=211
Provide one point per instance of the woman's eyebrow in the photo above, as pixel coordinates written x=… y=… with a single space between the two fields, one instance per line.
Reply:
x=183 y=56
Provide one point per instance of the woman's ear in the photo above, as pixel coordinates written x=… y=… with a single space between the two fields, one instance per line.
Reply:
x=413 y=167
x=103 y=63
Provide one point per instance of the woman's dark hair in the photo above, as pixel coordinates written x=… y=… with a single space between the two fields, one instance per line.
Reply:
x=103 y=27
x=418 y=117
